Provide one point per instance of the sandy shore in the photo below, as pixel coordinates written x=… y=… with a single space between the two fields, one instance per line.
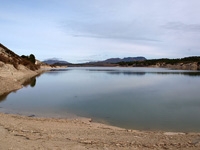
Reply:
x=20 y=132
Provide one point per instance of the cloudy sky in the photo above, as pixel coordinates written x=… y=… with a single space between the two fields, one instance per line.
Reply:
x=87 y=30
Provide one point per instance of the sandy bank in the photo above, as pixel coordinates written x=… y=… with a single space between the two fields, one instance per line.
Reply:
x=12 y=79
x=19 y=132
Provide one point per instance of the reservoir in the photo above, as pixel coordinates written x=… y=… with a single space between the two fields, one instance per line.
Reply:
x=132 y=98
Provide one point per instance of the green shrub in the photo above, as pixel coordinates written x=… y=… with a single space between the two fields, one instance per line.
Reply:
x=30 y=58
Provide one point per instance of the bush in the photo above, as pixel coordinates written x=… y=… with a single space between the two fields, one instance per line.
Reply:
x=30 y=58
x=29 y=64
x=15 y=62
x=7 y=60
x=4 y=59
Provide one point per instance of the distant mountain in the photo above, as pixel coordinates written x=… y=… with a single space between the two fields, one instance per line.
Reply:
x=55 y=61
x=117 y=60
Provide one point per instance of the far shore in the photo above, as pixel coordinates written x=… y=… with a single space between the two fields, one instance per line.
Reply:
x=22 y=132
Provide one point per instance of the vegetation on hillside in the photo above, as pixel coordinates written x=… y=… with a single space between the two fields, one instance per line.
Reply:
x=30 y=58
x=10 y=57
x=162 y=61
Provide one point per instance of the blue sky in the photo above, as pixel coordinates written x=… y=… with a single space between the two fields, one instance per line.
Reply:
x=88 y=30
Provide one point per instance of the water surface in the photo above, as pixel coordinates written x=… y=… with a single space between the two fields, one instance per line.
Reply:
x=136 y=98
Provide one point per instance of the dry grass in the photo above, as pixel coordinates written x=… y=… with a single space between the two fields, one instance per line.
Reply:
x=7 y=60
x=29 y=64
x=16 y=60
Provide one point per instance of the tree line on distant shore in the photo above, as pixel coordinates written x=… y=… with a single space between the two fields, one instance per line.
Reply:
x=163 y=60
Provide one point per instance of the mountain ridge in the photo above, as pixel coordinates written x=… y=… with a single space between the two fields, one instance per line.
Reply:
x=54 y=61
x=117 y=60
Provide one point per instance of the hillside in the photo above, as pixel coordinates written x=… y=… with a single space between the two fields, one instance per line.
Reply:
x=55 y=61
x=14 y=70
x=9 y=57
x=187 y=63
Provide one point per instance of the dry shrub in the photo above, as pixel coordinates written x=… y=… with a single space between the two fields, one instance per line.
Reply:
x=15 y=60
x=7 y=60
x=11 y=53
x=29 y=64
x=15 y=63
x=4 y=59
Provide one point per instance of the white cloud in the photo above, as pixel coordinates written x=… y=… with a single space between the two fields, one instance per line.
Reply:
x=77 y=30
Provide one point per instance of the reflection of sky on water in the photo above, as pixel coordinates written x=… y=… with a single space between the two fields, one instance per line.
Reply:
x=128 y=71
x=138 y=98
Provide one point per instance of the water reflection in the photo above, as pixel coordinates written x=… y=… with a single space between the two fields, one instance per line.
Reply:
x=178 y=73
x=3 y=97
x=55 y=72
x=30 y=81
x=141 y=72
x=159 y=73
x=138 y=98
x=127 y=73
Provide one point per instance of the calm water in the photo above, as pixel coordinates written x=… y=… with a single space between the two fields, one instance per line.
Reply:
x=137 y=98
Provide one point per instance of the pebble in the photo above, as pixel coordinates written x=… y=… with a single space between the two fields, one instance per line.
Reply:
x=86 y=142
